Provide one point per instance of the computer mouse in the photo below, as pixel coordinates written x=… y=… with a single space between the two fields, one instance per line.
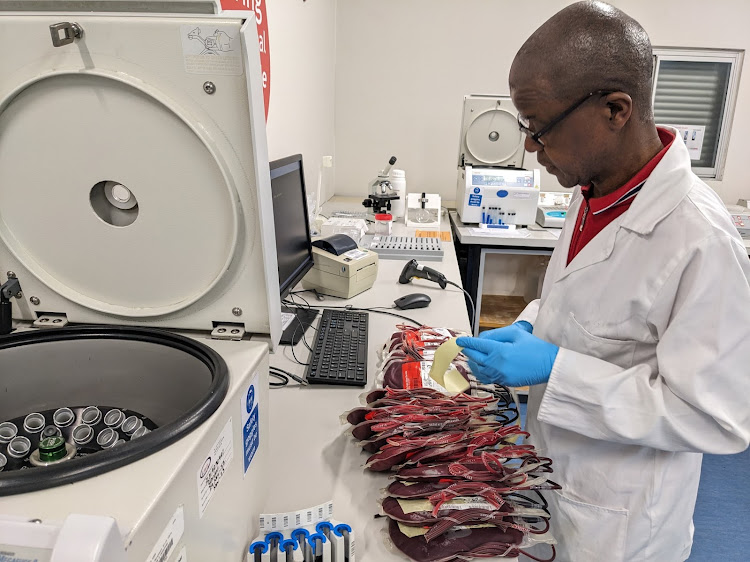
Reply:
x=414 y=300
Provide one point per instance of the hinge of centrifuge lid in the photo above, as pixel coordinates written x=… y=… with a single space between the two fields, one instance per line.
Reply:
x=228 y=331
x=11 y=288
x=50 y=320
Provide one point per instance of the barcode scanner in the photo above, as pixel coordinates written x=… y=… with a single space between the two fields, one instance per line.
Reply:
x=413 y=269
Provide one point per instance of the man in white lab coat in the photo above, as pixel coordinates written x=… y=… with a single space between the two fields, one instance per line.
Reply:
x=638 y=351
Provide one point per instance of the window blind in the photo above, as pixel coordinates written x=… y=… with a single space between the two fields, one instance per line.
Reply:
x=694 y=93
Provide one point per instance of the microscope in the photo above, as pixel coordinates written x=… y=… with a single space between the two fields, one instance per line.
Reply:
x=381 y=191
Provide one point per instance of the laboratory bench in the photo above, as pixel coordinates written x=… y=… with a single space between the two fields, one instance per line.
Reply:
x=313 y=459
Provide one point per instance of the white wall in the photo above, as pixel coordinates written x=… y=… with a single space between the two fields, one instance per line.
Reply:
x=302 y=39
x=403 y=67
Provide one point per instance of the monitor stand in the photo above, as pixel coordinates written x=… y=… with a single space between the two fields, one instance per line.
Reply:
x=298 y=326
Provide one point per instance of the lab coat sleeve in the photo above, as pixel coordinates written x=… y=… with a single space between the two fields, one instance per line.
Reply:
x=529 y=313
x=697 y=399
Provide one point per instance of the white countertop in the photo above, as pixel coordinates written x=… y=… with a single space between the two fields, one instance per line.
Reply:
x=538 y=237
x=313 y=460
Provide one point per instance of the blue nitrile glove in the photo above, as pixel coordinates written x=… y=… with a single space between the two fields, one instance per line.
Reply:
x=489 y=335
x=509 y=356
x=521 y=324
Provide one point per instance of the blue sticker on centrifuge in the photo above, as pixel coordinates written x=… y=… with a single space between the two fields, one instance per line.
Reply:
x=250 y=424
x=475 y=200
x=250 y=399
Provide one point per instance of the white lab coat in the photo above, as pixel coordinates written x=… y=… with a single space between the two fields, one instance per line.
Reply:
x=653 y=322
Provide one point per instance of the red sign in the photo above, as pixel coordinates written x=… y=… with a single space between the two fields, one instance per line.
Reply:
x=261 y=22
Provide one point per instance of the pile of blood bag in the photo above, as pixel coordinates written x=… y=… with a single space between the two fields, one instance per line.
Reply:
x=464 y=485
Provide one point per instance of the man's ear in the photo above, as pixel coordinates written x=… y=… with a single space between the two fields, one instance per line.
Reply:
x=619 y=109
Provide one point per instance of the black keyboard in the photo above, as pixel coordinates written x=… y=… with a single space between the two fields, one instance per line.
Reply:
x=339 y=355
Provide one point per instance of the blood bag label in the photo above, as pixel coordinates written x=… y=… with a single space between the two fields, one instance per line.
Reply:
x=213 y=467
x=427 y=380
x=416 y=374
x=468 y=503
x=250 y=423
x=436 y=334
x=169 y=538
x=411 y=375
x=212 y=50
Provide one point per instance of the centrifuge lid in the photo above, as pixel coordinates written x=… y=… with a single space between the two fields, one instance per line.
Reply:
x=490 y=135
x=132 y=183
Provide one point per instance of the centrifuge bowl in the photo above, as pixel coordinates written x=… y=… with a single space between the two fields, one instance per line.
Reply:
x=175 y=381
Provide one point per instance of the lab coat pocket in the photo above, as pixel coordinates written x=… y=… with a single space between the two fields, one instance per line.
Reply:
x=577 y=338
x=588 y=533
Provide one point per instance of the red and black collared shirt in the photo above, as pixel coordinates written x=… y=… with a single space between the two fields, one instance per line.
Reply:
x=598 y=212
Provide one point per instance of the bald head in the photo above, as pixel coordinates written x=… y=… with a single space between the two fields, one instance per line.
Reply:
x=585 y=47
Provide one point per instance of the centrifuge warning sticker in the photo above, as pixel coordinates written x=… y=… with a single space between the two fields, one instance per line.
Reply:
x=250 y=425
x=213 y=467
x=169 y=538
x=24 y=554
x=212 y=50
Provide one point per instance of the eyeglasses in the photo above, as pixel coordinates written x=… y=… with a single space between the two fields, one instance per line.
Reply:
x=523 y=124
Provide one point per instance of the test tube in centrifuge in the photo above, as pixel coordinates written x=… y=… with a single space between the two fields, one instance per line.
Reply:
x=131 y=425
x=63 y=417
x=34 y=423
x=107 y=438
x=114 y=418
x=91 y=415
x=140 y=432
x=83 y=434
x=8 y=430
x=19 y=447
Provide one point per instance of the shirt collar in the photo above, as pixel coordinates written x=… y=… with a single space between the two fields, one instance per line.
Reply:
x=631 y=188
x=666 y=186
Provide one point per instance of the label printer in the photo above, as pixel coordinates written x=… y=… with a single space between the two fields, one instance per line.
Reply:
x=341 y=268
x=493 y=188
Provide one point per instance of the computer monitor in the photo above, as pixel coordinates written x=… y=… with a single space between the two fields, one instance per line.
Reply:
x=293 y=243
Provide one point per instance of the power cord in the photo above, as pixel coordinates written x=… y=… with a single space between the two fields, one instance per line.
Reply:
x=292 y=304
x=468 y=297
x=414 y=269
x=284 y=377
x=375 y=309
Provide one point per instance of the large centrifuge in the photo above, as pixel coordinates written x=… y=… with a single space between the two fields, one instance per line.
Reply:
x=139 y=278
